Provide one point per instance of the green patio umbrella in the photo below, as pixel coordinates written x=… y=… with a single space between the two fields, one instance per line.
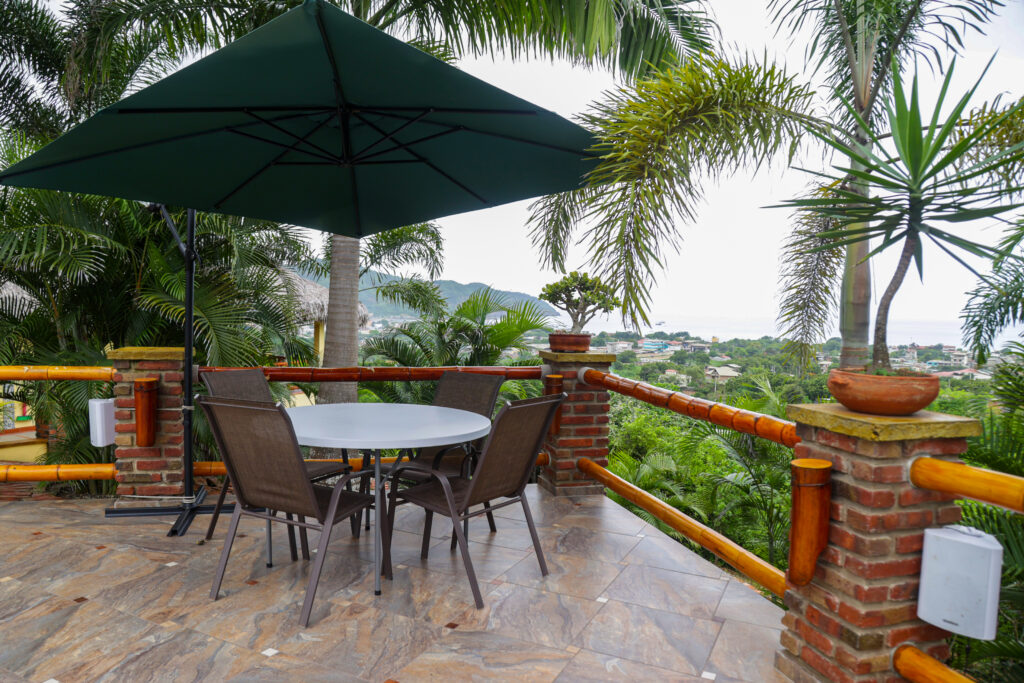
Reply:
x=318 y=120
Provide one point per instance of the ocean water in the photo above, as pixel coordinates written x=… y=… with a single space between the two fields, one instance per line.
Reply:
x=922 y=332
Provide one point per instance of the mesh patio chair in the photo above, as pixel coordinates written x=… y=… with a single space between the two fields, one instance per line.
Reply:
x=502 y=471
x=250 y=384
x=463 y=391
x=265 y=464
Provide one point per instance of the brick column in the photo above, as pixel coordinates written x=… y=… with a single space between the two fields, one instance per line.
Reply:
x=583 y=427
x=154 y=470
x=862 y=602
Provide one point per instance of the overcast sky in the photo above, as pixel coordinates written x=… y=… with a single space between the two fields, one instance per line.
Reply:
x=729 y=262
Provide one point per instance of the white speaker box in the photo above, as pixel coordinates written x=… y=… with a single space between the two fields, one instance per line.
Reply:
x=101 y=421
x=961 y=568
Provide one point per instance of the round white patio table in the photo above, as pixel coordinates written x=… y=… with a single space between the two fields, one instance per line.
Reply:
x=378 y=426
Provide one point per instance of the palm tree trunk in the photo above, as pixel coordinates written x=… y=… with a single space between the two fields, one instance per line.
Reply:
x=880 y=357
x=341 y=337
x=855 y=299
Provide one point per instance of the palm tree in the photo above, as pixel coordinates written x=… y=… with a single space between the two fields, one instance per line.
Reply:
x=858 y=44
x=634 y=36
x=480 y=331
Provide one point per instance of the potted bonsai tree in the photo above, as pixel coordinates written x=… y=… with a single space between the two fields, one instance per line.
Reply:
x=930 y=177
x=581 y=297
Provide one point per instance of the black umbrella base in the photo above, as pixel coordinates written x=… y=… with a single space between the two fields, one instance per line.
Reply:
x=186 y=512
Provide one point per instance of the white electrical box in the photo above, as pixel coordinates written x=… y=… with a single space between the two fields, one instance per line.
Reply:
x=101 y=421
x=961 y=569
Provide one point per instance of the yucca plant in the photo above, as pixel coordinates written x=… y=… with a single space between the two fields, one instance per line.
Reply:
x=925 y=186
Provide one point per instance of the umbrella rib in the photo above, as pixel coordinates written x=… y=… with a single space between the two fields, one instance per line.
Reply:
x=404 y=145
x=431 y=165
x=331 y=159
x=139 y=145
x=390 y=135
x=468 y=129
x=305 y=108
x=327 y=153
x=273 y=161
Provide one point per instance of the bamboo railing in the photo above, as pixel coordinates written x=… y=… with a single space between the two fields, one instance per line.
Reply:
x=203 y=468
x=920 y=667
x=735 y=555
x=385 y=374
x=745 y=421
x=15 y=373
x=997 y=488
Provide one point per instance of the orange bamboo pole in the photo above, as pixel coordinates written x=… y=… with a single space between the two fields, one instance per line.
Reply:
x=959 y=479
x=145 y=411
x=811 y=498
x=765 y=426
x=214 y=468
x=385 y=374
x=56 y=472
x=13 y=373
x=916 y=666
x=743 y=560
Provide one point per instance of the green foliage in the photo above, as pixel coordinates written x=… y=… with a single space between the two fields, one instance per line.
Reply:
x=581 y=296
x=657 y=141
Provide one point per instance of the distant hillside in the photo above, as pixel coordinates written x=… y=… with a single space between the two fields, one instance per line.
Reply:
x=454 y=292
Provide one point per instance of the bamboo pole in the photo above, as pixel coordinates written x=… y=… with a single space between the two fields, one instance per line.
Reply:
x=207 y=468
x=145 y=411
x=553 y=386
x=743 y=560
x=384 y=374
x=919 y=667
x=959 y=479
x=745 y=421
x=14 y=373
x=811 y=498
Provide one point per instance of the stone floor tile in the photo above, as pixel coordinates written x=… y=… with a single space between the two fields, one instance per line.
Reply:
x=484 y=657
x=689 y=594
x=744 y=652
x=649 y=636
x=436 y=597
x=489 y=561
x=547 y=619
x=594 y=666
x=740 y=602
x=587 y=543
x=612 y=519
x=658 y=550
x=567 y=574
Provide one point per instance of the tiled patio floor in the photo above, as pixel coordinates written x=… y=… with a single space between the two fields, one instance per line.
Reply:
x=84 y=598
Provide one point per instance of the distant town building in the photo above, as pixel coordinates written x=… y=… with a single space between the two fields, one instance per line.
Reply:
x=720 y=374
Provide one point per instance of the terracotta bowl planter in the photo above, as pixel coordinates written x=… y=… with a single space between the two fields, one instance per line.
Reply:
x=883 y=394
x=569 y=343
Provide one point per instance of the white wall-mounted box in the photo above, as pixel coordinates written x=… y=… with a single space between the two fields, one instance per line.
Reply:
x=961 y=569
x=101 y=421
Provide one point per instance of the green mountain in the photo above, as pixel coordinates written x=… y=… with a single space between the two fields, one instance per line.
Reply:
x=454 y=292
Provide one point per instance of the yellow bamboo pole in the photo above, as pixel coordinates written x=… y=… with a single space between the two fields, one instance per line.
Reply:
x=13 y=373
x=742 y=559
x=959 y=479
x=916 y=666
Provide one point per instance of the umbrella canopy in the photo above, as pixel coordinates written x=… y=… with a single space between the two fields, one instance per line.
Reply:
x=318 y=120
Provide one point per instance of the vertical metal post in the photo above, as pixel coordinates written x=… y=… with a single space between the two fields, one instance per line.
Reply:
x=186 y=400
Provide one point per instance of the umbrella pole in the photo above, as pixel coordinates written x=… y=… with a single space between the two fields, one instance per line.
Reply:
x=191 y=502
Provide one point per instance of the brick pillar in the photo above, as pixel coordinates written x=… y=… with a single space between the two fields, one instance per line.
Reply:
x=583 y=427
x=862 y=603
x=154 y=470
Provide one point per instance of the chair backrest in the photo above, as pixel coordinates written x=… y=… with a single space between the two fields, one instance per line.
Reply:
x=510 y=452
x=261 y=454
x=468 y=391
x=249 y=384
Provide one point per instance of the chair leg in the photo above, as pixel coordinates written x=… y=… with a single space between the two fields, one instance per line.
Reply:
x=291 y=537
x=228 y=541
x=465 y=530
x=304 y=539
x=385 y=521
x=490 y=517
x=426 y=534
x=464 y=547
x=270 y=544
x=314 y=573
x=364 y=487
x=533 y=535
x=216 y=508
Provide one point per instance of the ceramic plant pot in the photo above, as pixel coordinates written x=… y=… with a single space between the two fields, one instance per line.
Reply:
x=883 y=394
x=569 y=343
